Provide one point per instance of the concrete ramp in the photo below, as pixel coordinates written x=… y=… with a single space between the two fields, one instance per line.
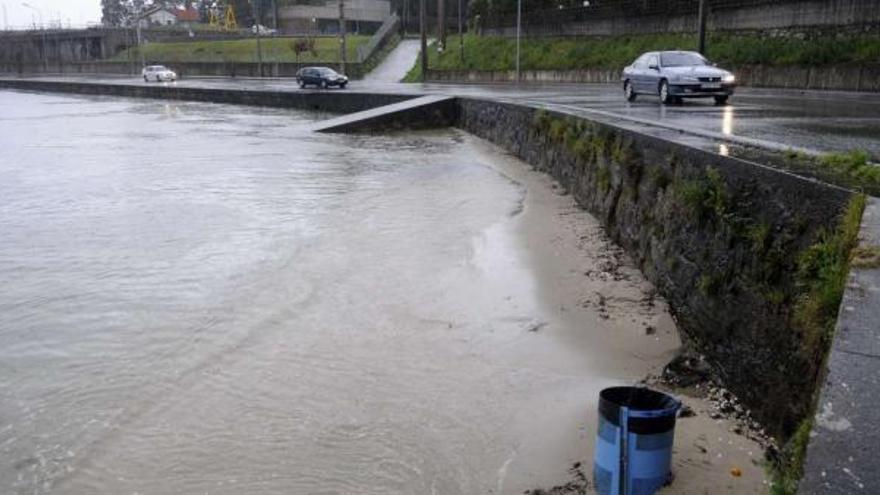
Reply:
x=397 y=63
x=426 y=112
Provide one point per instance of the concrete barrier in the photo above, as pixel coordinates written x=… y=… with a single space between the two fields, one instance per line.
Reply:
x=843 y=78
x=184 y=69
x=324 y=101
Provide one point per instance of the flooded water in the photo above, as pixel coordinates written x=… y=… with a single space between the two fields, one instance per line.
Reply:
x=200 y=298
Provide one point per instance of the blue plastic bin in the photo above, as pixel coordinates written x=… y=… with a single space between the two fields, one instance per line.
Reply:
x=634 y=442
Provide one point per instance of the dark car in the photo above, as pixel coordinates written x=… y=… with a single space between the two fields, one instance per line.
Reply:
x=322 y=77
x=676 y=75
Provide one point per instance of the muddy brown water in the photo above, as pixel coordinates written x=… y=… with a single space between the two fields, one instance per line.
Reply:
x=207 y=298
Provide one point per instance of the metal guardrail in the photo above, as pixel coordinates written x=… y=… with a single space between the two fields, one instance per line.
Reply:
x=606 y=9
x=388 y=27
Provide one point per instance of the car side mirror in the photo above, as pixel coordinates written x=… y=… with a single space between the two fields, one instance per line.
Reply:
x=654 y=66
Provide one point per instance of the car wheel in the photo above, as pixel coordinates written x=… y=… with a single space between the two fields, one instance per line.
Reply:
x=158 y=79
x=342 y=86
x=628 y=91
x=323 y=84
x=665 y=97
x=145 y=79
x=302 y=85
x=721 y=100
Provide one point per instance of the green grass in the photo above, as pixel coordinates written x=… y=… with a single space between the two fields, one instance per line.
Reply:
x=822 y=271
x=851 y=169
x=789 y=470
x=821 y=276
x=245 y=50
x=496 y=53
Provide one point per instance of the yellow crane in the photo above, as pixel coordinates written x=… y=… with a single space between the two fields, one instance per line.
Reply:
x=228 y=24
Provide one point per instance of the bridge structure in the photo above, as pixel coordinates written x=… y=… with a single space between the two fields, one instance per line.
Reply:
x=53 y=47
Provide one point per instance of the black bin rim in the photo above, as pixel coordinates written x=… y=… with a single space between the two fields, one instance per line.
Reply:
x=639 y=398
x=643 y=405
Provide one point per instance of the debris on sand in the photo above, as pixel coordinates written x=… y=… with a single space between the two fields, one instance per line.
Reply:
x=686 y=370
x=537 y=326
x=577 y=486
x=691 y=371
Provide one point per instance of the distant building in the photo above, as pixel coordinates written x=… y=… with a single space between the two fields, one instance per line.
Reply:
x=187 y=16
x=158 y=16
x=163 y=16
x=362 y=16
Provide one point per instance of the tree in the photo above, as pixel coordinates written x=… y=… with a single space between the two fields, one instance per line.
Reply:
x=112 y=12
x=303 y=45
x=244 y=12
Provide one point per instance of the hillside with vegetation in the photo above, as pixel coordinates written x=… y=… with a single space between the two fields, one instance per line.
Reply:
x=497 y=53
x=324 y=49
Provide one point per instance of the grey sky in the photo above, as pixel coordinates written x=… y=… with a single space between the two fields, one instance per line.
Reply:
x=78 y=12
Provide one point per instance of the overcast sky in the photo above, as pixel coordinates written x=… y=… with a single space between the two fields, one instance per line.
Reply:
x=77 y=12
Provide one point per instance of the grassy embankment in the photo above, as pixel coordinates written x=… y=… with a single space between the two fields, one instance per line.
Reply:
x=496 y=53
x=244 y=50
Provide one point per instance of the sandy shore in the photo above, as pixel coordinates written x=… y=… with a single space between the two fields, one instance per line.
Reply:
x=609 y=311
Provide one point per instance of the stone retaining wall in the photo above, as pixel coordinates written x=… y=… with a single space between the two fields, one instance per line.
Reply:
x=720 y=238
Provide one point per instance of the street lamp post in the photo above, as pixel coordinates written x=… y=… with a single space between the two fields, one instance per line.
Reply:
x=423 y=27
x=137 y=22
x=342 y=35
x=460 y=36
x=518 y=29
x=258 y=25
x=44 y=54
x=702 y=27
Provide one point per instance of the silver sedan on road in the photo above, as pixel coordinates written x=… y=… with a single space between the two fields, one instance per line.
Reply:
x=676 y=75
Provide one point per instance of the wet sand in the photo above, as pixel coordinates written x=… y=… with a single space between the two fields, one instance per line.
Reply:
x=611 y=315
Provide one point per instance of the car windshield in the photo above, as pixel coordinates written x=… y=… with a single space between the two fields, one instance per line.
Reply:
x=328 y=72
x=157 y=68
x=682 y=59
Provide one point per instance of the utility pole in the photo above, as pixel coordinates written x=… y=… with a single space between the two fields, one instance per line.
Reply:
x=460 y=36
x=405 y=16
x=258 y=26
x=137 y=23
x=423 y=28
x=702 y=27
x=274 y=14
x=342 y=36
x=441 y=23
x=518 y=29
x=44 y=49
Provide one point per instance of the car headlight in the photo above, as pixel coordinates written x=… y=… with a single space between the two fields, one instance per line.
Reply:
x=728 y=78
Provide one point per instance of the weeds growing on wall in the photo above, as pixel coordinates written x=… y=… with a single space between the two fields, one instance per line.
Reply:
x=822 y=272
x=852 y=169
x=821 y=275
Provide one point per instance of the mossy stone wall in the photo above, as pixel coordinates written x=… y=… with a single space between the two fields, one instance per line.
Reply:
x=724 y=240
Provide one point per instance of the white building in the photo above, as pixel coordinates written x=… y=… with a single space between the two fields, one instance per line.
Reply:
x=158 y=16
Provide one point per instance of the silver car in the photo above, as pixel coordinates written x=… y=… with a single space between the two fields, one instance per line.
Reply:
x=676 y=75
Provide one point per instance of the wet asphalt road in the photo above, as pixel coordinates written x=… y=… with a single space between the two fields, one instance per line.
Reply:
x=821 y=121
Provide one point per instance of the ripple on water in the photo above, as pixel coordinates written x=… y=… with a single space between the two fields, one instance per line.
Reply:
x=201 y=297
